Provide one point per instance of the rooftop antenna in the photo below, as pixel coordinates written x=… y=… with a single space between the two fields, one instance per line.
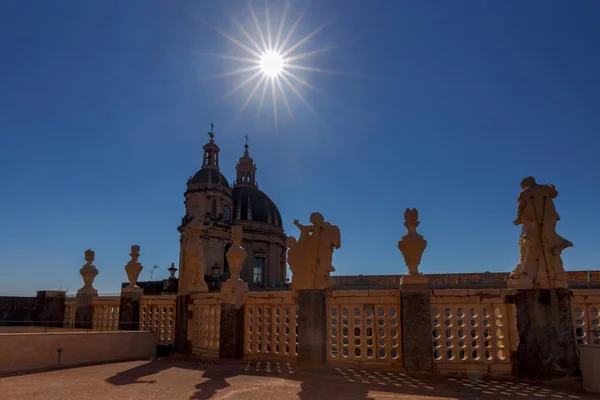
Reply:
x=152 y=271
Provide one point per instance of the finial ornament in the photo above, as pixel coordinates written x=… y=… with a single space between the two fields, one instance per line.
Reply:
x=310 y=257
x=133 y=269
x=211 y=134
x=235 y=288
x=540 y=266
x=172 y=271
x=88 y=273
x=412 y=245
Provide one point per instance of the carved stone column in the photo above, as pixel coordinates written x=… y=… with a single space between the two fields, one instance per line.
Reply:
x=415 y=298
x=84 y=308
x=231 y=343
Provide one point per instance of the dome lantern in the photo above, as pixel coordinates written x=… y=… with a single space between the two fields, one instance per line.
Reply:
x=246 y=169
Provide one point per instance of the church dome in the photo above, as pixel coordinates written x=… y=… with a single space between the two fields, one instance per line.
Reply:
x=209 y=176
x=251 y=204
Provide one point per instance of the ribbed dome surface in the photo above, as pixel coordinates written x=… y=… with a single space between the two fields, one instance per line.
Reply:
x=262 y=207
x=209 y=175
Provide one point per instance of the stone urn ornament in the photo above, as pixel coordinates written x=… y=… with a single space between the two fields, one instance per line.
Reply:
x=412 y=245
x=172 y=271
x=235 y=288
x=88 y=273
x=133 y=267
x=236 y=254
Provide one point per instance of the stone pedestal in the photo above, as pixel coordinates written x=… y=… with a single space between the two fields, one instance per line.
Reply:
x=547 y=343
x=129 y=311
x=231 y=339
x=312 y=330
x=50 y=308
x=84 y=310
x=417 y=347
x=182 y=317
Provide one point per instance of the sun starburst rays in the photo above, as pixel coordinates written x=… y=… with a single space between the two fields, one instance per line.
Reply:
x=268 y=59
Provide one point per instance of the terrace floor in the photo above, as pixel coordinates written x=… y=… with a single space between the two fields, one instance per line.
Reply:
x=188 y=378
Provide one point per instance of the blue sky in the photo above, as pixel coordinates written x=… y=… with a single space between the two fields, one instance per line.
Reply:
x=444 y=106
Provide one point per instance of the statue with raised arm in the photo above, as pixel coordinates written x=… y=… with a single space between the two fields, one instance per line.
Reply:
x=540 y=263
x=194 y=256
x=310 y=257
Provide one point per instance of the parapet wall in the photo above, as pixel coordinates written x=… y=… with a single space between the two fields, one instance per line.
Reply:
x=26 y=351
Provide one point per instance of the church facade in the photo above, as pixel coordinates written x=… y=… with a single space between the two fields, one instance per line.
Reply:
x=211 y=201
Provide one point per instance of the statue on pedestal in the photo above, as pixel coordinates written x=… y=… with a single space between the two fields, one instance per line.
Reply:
x=310 y=257
x=194 y=245
x=88 y=273
x=540 y=265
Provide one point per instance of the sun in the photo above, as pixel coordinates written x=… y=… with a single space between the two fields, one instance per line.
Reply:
x=271 y=63
x=271 y=57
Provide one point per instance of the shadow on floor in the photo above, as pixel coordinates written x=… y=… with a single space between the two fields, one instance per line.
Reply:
x=332 y=383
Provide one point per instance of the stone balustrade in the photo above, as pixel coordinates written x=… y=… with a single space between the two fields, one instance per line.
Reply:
x=157 y=314
x=271 y=324
x=364 y=326
x=106 y=313
x=585 y=308
x=70 y=307
x=473 y=330
x=205 y=330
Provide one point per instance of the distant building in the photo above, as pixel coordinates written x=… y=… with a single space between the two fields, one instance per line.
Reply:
x=211 y=199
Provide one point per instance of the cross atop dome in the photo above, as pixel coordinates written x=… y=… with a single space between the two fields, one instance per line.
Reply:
x=211 y=134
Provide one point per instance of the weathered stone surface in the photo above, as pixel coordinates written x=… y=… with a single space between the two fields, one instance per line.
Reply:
x=50 y=308
x=417 y=347
x=312 y=326
x=129 y=311
x=181 y=324
x=84 y=316
x=547 y=344
x=231 y=339
x=84 y=311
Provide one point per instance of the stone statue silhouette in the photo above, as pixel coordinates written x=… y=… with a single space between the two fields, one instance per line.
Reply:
x=310 y=257
x=540 y=263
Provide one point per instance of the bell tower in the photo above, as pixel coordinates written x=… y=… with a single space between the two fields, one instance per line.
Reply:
x=246 y=169
x=211 y=151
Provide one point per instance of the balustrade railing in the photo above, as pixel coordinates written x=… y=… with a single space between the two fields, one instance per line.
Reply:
x=106 y=313
x=157 y=314
x=364 y=326
x=473 y=328
x=70 y=307
x=585 y=308
x=205 y=330
x=271 y=324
